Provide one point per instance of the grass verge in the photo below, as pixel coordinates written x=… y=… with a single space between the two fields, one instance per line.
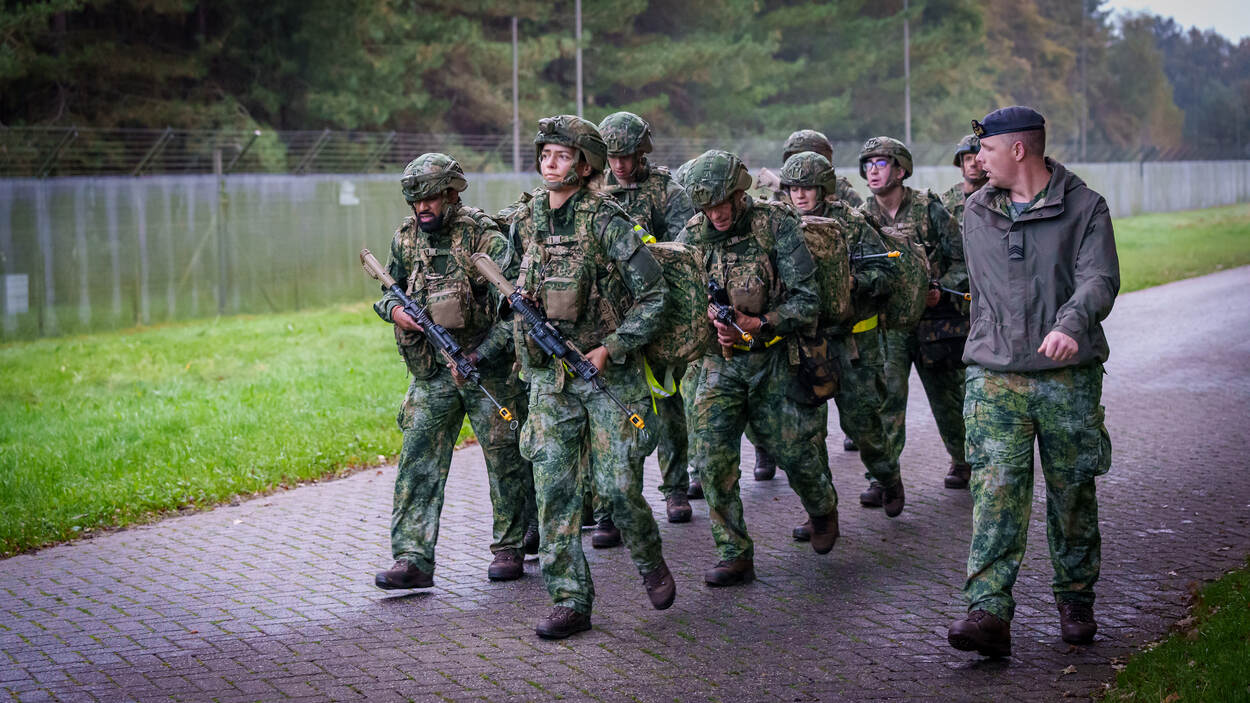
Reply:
x=1158 y=249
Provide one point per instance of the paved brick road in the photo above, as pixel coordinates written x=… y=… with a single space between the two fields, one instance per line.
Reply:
x=273 y=599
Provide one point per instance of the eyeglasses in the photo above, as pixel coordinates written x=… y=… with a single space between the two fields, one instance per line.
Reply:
x=879 y=164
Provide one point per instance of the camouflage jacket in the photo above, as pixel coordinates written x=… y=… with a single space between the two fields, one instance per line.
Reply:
x=953 y=200
x=597 y=281
x=871 y=276
x=922 y=218
x=656 y=202
x=435 y=271
x=763 y=262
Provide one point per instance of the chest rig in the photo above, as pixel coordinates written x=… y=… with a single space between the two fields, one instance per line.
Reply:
x=442 y=278
x=744 y=265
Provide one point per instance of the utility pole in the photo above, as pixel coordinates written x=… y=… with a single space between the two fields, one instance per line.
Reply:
x=578 y=39
x=516 y=107
x=906 y=77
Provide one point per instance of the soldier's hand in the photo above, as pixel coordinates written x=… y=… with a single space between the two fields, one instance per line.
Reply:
x=405 y=321
x=473 y=357
x=598 y=356
x=932 y=297
x=749 y=323
x=1058 y=346
x=726 y=335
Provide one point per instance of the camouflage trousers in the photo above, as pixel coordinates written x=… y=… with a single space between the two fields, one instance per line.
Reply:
x=1005 y=414
x=673 y=445
x=944 y=387
x=567 y=417
x=860 y=396
x=431 y=417
x=690 y=393
x=751 y=389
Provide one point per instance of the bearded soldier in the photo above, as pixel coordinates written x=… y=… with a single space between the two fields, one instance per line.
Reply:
x=936 y=345
x=430 y=255
x=755 y=251
x=585 y=263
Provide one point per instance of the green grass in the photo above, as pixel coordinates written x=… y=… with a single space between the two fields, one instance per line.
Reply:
x=1207 y=659
x=1157 y=249
x=110 y=429
x=116 y=428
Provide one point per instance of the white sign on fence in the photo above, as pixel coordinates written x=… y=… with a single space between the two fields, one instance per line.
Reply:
x=16 y=293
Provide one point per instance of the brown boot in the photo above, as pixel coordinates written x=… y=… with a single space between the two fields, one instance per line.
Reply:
x=605 y=535
x=695 y=492
x=661 y=588
x=730 y=572
x=803 y=532
x=1076 y=623
x=983 y=633
x=871 y=498
x=509 y=565
x=561 y=623
x=403 y=574
x=824 y=532
x=848 y=445
x=892 y=499
x=530 y=542
x=765 y=465
x=678 y=506
x=958 y=476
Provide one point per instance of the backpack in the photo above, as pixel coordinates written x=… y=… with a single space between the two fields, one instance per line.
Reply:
x=684 y=329
x=827 y=243
x=906 y=303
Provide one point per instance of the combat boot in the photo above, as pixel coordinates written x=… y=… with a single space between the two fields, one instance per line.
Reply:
x=872 y=498
x=661 y=588
x=588 y=514
x=983 y=633
x=848 y=445
x=824 y=532
x=730 y=572
x=1076 y=623
x=803 y=532
x=765 y=465
x=605 y=535
x=695 y=492
x=530 y=542
x=508 y=565
x=958 y=476
x=403 y=574
x=892 y=499
x=561 y=623
x=678 y=506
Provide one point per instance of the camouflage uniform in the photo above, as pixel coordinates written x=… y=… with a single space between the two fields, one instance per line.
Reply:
x=922 y=218
x=766 y=267
x=954 y=198
x=810 y=140
x=658 y=204
x=584 y=262
x=861 y=372
x=435 y=268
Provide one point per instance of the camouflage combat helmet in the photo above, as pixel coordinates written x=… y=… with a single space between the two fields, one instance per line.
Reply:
x=429 y=175
x=626 y=134
x=572 y=131
x=806 y=140
x=889 y=148
x=713 y=177
x=807 y=169
x=968 y=145
x=680 y=174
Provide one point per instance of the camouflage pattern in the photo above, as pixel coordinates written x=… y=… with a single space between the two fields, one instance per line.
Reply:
x=572 y=131
x=807 y=140
x=673 y=445
x=435 y=269
x=768 y=187
x=1006 y=413
x=970 y=144
x=809 y=170
x=887 y=147
x=588 y=257
x=654 y=200
x=922 y=219
x=713 y=177
x=767 y=269
x=690 y=384
x=429 y=175
x=953 y=200
x=626 y=133
x=684 y=329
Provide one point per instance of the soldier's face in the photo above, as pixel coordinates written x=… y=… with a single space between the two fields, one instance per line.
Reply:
x=721 y=215
x=883 y=175
x=805 y=199
x=556 y=160
x=623 y=167
x=430 y=210
x=973 y=173
x=996 y=159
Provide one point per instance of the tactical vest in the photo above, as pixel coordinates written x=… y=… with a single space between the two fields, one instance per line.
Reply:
x=646 y=203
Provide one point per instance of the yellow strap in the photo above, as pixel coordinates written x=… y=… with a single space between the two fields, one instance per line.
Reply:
x=664 y=389
x=647 y=238
x=865 y=325
x=743 y=347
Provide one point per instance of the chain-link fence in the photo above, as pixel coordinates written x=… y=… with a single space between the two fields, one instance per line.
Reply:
x=41 y=152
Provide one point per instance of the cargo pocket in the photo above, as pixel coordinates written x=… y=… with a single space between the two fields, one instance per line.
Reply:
x=448 y=306
x=1093 y=448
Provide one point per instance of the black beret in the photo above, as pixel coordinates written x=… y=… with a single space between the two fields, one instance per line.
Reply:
x=1005 y=120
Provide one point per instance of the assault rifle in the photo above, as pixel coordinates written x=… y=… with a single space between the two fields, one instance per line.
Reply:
x=718 y=298
x=546 y=336
x=438 y=335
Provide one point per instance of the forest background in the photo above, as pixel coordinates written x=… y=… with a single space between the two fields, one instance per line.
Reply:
x=708 y=69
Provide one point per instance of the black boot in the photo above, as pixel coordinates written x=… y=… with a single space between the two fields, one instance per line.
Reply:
x=765 y=465
x=605 y=535
x=530 y=542
x=849 y=445
x=1076 y=623
x=892 y=499
x=695 y=492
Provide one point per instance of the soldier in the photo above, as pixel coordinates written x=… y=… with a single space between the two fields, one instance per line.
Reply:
x=809 y=140
x=430 y=255
x=585 y=262
x=973 y=177
x=1044 y=273
x=690 y=384
x=661 y=206
x=936 y=344
x=807 y=178
x=756 y=252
